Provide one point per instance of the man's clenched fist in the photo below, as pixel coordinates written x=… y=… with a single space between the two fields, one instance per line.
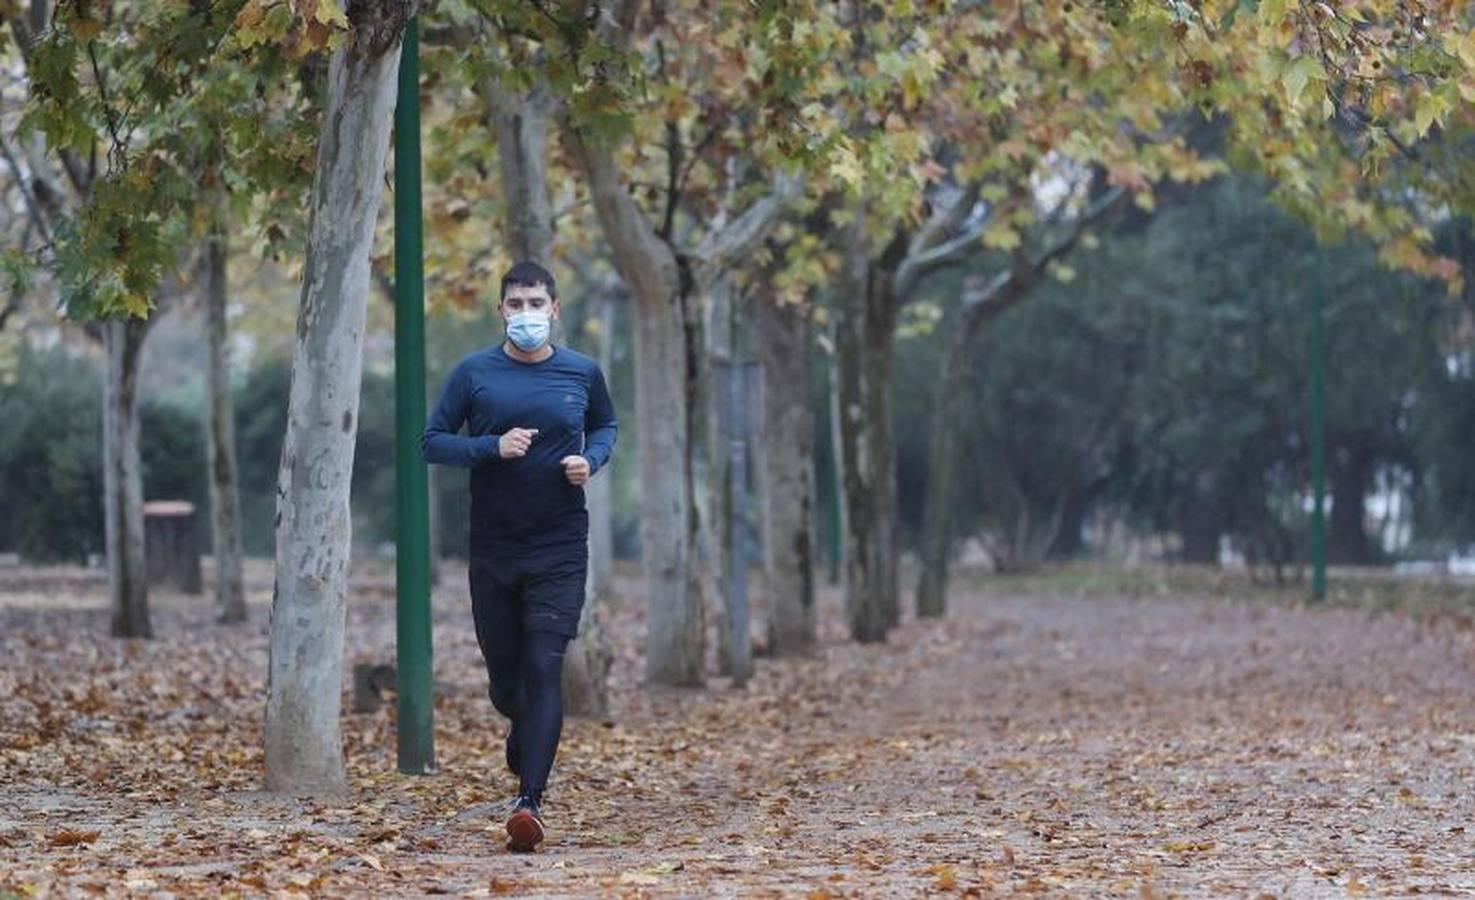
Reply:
x=575 y=469
x=515 y=442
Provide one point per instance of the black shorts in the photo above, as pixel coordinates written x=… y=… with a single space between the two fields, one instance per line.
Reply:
x=528 y=589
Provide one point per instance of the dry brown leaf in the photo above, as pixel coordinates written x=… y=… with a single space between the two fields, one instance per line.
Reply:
x=71 y=838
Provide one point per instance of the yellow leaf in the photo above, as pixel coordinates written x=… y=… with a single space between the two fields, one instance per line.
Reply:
x=1462 y=44
x=330 y=13
x=1001 y=236
x=136 y=304
x=947 y=877
x=845 y=166
x=1430 y=108
x=250 y=15
x=1273 y=12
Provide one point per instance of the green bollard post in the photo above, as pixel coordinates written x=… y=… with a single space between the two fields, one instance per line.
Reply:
x=416 y=752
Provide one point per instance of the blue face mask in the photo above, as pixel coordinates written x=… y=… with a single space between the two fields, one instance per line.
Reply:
x=528 y=330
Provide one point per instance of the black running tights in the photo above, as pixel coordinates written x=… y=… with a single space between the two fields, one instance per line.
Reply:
x=526 y=675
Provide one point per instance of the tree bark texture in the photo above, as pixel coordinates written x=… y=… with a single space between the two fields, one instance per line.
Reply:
x=785 y=459
x=304 y=753
x=225 y=500
x=864 y=344
x=664 y=394
x=123 y=479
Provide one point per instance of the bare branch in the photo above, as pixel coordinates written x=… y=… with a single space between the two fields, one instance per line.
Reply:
x=673 y=174
x=118 y=156
x=1011 y=285
x=937 y=244
x=38 y=215
x=743 y=233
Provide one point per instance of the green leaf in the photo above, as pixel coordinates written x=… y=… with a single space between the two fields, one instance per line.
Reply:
x=1431 y=108
x=1298 y=74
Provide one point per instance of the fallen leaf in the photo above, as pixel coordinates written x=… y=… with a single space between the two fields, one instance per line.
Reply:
x=639 y=878
x=70 y=838
x=947 y=877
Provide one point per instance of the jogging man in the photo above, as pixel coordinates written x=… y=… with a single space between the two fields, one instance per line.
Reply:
x=539 y=424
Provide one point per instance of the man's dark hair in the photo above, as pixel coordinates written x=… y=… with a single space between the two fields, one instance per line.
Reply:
x=528 y=274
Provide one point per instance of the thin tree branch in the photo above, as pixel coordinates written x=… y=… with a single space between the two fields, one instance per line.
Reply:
x=931 y=249
x=37 y=213
x=120 y=146
x=1011 y=285
x=742 y=234
x=673 y=174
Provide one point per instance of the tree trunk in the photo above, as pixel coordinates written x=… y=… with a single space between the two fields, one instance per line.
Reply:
x=587 y=663
x=942 y=466
x=304 y=753
x=1070 y=542
x=669 y=522
x=520 y=122
x=585 y=673
x=865 y=348
x=981 y=305
x=716 y=512
x=1200 y=522
x=225 y=503
x=123 y=479
x=1351 y=473
x=785 y=457
x=601 y=496
x=665 y=388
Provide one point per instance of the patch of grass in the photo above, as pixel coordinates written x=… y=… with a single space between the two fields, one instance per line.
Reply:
x=1375 y=590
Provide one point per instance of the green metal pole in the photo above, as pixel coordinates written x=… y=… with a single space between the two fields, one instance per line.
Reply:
x=412 y=541
x=832 y=488
x=1318 y=429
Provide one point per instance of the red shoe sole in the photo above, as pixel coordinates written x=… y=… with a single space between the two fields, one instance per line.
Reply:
x=524 y=831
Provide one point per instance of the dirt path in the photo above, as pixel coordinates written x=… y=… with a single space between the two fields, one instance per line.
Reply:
x=1027 y=744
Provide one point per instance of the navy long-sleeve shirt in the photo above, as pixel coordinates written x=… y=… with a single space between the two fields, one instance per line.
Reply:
x=526 y=501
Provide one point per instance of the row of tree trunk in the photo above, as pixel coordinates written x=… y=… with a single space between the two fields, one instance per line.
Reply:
x=671 y=281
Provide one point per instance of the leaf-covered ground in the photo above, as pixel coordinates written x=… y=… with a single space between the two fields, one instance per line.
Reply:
x=1032 y=743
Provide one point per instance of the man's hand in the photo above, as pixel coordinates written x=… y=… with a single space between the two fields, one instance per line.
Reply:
x=575 y=469
x=515 y=442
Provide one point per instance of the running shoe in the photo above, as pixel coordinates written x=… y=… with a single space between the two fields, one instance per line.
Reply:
x=524 y=826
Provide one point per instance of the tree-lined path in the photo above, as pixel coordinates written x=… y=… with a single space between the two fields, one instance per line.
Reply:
x=1033 y=742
